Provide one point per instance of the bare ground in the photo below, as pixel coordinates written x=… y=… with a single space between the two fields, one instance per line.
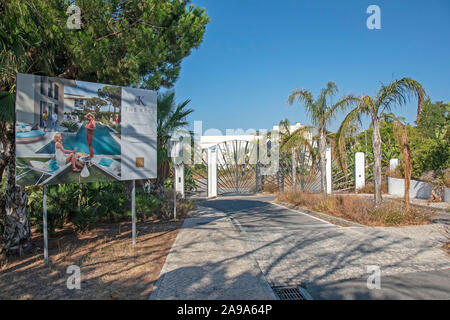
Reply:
x=111 y=268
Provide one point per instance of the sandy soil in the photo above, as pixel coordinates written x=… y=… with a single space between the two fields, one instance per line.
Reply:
x=111 y=268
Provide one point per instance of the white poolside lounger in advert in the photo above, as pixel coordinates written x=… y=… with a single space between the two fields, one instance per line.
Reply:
x=48 y=170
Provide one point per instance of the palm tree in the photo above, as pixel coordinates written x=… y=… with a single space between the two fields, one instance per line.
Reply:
x=297 y=138
x=95 y=104
x=170 y=118
x=300 y=138
x=396 y=93
x=17 y=232
x=321 y=113
x=6 y=120
x=401 y=136
x=112 y=95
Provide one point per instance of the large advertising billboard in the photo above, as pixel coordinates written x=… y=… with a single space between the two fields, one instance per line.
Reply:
x=70 y=131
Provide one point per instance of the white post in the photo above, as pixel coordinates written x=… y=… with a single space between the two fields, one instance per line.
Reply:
x=212 y=172
x=360 y=168
x=133 y=211
x=179 y=179
x=45 y=225
x=328 y=170
x=393 y=164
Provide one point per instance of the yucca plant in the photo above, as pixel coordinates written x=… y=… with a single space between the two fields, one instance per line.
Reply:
x=322 y=112
x=170 y=118
x=397 y=92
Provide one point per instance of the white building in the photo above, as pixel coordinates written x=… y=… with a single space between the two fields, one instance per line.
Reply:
x=74 y=102
x=211 y=140
x=39 y=94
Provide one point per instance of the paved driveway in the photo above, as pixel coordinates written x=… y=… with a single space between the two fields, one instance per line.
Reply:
x=292 y=248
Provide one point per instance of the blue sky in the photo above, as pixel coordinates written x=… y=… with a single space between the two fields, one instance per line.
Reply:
x=89 y=90
x=255 y=52
x=86 y=89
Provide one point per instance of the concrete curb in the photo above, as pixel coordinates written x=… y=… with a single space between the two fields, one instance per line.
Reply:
x=163 y=271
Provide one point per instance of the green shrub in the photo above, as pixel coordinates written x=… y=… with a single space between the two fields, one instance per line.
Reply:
x=71 y=126
x=86 y=205
x=86 y=217
x=168 y=184
x=147 y=205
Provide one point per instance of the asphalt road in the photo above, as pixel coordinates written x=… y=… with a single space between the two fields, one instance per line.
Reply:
x=257 y=212
x=330 y=261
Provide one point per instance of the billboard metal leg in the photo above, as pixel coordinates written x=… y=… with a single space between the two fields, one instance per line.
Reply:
x=133 y=211
x=45 y=225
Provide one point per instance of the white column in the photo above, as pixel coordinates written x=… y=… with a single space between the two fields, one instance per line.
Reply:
x=393 y=164
x=212 y=172
x=360 y=168
x=328 y=170
x=179 y=179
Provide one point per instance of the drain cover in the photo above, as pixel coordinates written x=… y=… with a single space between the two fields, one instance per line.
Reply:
x=289 y=293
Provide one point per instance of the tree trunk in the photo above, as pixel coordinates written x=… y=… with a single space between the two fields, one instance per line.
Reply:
x=407 y=182
x=376 y=144
x=407 y=166
x=323 y=161
x=294 y=170
x=4 y=147
x=401 y=135
x=17 y=233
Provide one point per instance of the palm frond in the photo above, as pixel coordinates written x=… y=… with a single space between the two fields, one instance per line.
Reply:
x=352 y=117
x=285 y=127
x=7 y=100
x=302 y=95
x=300 y=138
x=341 y=105
x=329 y=91
x=399 y=92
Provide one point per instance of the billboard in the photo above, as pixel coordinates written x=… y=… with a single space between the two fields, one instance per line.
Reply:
x=70 y=131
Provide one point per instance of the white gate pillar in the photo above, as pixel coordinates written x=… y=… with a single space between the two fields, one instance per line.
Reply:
x=328 y=170
x=360 y=168
x=393 y=164
x=212 y=172
x=179 y=179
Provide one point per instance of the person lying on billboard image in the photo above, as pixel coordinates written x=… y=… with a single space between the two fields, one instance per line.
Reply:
x=62 y=159
x=90 y=128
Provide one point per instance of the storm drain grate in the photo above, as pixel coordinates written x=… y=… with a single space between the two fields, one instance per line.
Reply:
x=288 y=293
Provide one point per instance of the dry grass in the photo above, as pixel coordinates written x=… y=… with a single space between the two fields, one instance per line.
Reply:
x=270 y=187
x=446 y=247
x=369 y=188
x=111 y=268
x=358 y=209
x=446 y=232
